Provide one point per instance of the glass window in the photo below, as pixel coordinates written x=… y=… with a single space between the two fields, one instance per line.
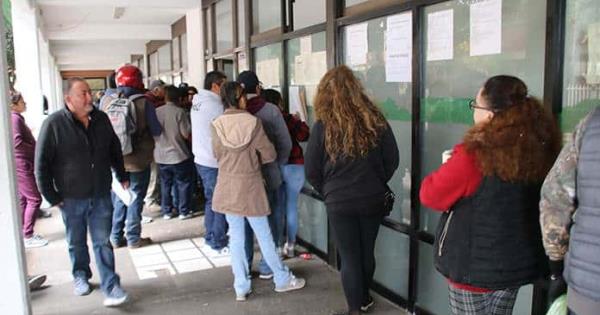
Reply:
x=350 y=3
x=308 y=12
x=153 y=66
x=184 y=52
x=266 y=15
x=581 y=83
x=142 y=66
x=224 y=26
x=176 y=57
x=391 y=254
x=455 y=75
x=307 y=63
x=269 y=67
x=312 y=222
x=392 y=93
x=164 y=58
x=241 y=14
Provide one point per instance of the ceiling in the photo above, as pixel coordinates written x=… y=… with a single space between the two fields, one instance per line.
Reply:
x=102 y=34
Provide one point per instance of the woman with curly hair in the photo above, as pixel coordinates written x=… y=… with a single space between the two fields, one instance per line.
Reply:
x=488 y=241
x=351 y=155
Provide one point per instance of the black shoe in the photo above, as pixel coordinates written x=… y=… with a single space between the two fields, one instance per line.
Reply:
x=119 y=243
x=366 y=306
x=42 y=213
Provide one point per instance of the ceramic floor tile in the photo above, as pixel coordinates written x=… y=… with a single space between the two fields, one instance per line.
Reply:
x=154 y=271
x=185 y=254
x=192 y=265
x=148 y=260
x=178 y=245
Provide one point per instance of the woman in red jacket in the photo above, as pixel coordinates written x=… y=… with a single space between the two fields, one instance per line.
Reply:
x=488 y=241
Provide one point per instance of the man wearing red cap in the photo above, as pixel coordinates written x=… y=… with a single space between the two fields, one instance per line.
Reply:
x=130 y=85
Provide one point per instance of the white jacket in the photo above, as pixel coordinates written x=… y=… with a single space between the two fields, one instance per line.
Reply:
x=206 y=107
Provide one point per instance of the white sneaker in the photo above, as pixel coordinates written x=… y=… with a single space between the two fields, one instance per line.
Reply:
x=35 y=241
x=294 y=284
x=146 y=219
x=224 y=251
x=116 y=297
x=243 y=297
x=288 y=250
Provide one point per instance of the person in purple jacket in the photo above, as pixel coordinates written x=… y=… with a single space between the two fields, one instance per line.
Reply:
x=29 y=196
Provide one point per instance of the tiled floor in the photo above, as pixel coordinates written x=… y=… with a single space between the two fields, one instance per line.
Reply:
x=176 y=257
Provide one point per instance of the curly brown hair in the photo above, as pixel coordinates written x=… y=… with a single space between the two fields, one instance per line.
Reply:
x=521 y=141
x=353 y=124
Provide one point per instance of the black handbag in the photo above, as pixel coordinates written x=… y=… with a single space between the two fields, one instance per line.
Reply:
x=388 y=200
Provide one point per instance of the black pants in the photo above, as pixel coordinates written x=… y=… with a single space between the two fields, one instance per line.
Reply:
x=355 y=237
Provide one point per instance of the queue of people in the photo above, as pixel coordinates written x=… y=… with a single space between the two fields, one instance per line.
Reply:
x=495 y=234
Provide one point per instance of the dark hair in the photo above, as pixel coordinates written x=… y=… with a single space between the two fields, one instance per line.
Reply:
x=216 y=77
x=193 y=89
x=112 y=83
x=14 y=97
x=172 y=94
x=504 y=91
x=231 y=92
x=521 y=141
x=72 y=81
x=272 y=96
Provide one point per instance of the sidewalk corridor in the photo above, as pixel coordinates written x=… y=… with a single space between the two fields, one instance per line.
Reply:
x=177 y=275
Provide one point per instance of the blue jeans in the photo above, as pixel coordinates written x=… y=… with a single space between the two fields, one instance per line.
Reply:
x=215 y=223
x=239 y=263
x=179 y=176
x=293 y=180
x=130 y=217
x=94 y=214
x=275 y=223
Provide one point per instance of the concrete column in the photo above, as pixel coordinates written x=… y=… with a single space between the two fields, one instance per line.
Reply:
x=195 y=47
x=13 y=287
x=27 y=60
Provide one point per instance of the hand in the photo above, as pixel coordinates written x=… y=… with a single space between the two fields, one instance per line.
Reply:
x=556 y=287
x=125 y=184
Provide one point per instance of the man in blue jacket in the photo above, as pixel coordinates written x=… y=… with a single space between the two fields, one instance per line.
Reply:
x=75 y=153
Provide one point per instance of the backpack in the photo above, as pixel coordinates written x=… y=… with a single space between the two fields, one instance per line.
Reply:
x=122 y=115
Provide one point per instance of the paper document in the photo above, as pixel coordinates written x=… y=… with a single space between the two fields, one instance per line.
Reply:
x=297 y=103
x=440 y=35
x=486 y=28
x=357 y=44
x=268 y=72
x=398 y=52
x=305 y=45
x=126 y=195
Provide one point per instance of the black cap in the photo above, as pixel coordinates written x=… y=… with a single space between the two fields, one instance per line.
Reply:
x=249 y=81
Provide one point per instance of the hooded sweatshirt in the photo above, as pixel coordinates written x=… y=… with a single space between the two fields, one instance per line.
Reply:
x=241 y=146
x=206 y=107
x=277 y=131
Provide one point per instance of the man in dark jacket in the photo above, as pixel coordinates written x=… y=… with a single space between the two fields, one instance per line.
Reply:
x=76 y=150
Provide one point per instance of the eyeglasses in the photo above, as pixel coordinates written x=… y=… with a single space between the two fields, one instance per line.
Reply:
x=473 y=105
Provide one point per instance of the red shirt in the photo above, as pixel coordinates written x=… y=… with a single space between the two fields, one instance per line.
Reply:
x=457 y=178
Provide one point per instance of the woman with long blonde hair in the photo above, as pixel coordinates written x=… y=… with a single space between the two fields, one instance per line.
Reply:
x=351 y=155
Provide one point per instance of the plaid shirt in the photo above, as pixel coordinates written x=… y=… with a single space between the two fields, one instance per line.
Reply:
x=299 y=132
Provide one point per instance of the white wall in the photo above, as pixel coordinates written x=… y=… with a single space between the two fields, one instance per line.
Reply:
x=27 y=60
x=13 y=287
x=195 y=47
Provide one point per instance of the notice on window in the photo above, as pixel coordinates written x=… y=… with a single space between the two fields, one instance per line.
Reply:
x=297 y=103
x=268 y=72
x=593 y=65
x=398 y=53
x=440 y=35
x=357 y=44
x=305 y=45
x=486 y=28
